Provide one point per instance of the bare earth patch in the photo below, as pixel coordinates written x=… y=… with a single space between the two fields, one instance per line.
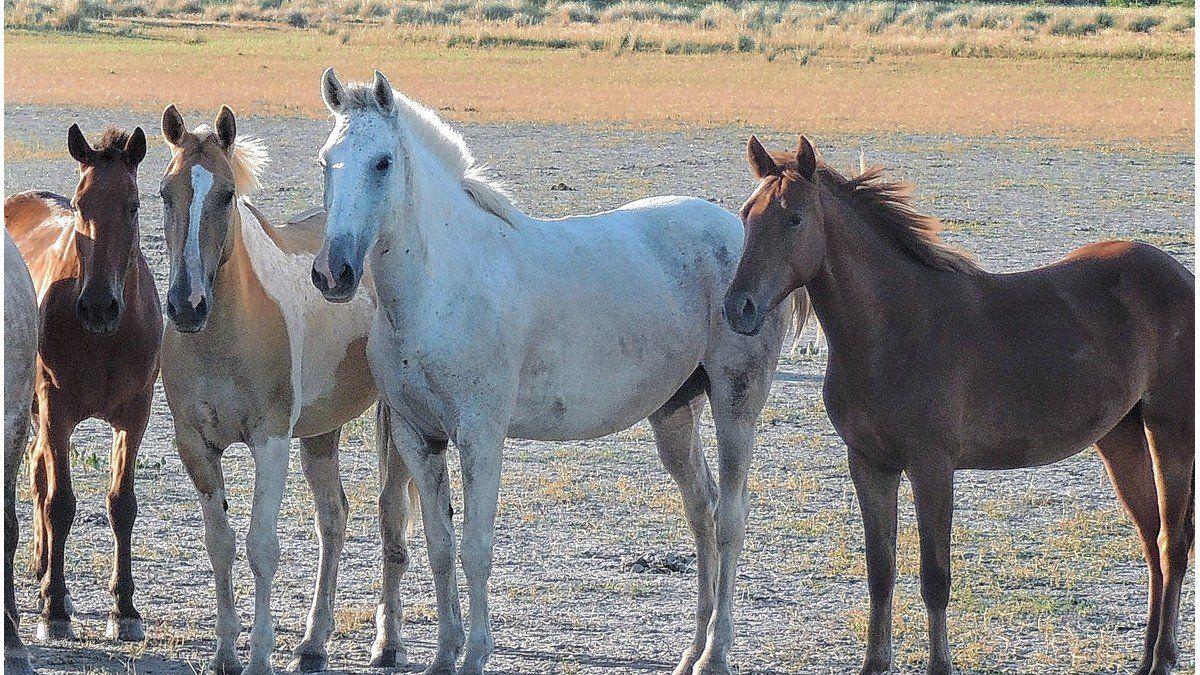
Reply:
x=1047 y=575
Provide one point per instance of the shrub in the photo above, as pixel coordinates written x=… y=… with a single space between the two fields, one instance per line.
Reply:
x=1105 y=20
x=297 y=19
x=190 y=7
x=745 y=43
x=414 y=13
x=270 y=4
x=575 y=12
x=77 y=15
x=1143 y=24
x=1036 y=17
x=1066 y=26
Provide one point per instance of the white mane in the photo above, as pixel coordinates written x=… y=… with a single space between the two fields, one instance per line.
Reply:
x=448 y=146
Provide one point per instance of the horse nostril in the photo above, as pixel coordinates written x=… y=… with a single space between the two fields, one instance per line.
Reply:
x=318 y=280
x=112 y=310
x=345 y=275
x=201 y=308
x=748 y=308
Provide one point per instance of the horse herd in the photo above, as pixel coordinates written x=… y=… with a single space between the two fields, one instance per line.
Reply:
x=420 y=285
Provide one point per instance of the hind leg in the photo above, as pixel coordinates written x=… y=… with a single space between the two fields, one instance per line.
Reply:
x=1172 y=447
x=398 y=503
x=124 y=622
x=1126 y=455
x=16 y=656
x=739 y=380
x=676 y=428
x=319 y=458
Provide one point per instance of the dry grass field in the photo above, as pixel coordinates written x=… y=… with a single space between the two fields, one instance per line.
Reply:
x=265 y=71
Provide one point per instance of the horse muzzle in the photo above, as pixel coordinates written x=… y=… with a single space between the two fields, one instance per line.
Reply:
x=334 y=275
x=743 y=314
x=99 y=311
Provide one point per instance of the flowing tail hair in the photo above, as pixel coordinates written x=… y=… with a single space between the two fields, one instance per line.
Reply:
x=389 y=456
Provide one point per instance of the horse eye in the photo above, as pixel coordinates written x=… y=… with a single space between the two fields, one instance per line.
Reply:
x=794 y=219
x=383 y=164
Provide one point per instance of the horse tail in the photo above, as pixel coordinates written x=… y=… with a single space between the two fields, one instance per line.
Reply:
x=385 y=445
x=801 y=313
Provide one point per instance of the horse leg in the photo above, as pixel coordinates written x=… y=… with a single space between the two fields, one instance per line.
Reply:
x=203 y=464
x=876 y=489
x=427 y=461
x=933 y=494
x=737 y=397
x=39 y=485
x=1172 y=447
x=262 y=545
x=676 y=428
x=396 y=495
x=16 y=656
x=58 y=513
x=319 y=457
x=480 y=447
x=124 y=622
x=1126 y=455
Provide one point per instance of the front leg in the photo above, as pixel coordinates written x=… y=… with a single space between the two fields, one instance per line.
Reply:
x=124 y=621
x=319 y=457
x=426 y=459
x=933 y=495
x=262 y=545
x=56 y=514
x=876 y=489
x=398 y=503
x=203 y=464
x=480 y=447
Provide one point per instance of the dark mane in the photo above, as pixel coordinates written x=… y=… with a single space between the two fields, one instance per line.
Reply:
x=112 y=143
x=888 y=204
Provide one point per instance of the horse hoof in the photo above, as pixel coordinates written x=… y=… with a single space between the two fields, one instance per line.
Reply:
x=17 y=664
x=258 y=668
x=703 y=667
x=389 y=658
x=440 y=668
x=313 y=662
x=54 y=629
x=224 y=665
x=125 y=628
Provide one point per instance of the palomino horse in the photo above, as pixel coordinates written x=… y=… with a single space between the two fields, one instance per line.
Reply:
x=1000 y=371
x=493 y=324
x=100 y=331
x=257 y=357
x=20 y=362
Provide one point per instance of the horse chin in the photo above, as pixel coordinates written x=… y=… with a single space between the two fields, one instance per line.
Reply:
x=340 y=296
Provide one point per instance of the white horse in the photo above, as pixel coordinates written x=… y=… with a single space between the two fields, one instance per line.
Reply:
x=492 y=324
x=20 y=359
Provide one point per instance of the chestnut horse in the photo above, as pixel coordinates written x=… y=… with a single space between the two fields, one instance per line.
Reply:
x=20 y=363
x=100 y=329
x=999 y=371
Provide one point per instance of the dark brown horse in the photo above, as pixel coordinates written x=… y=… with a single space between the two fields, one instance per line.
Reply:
x=100 y=327
x=936 y=365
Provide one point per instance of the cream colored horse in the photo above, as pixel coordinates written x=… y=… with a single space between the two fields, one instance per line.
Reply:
x=256 y=356
x=20 y=359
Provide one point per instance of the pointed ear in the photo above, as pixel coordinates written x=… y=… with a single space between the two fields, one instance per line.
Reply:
x=760 y=160
x=226 y=126
x=332 y=92
x=384 y=95
x=80 y=149
x=173 y=127
x=135 y=147
x=807 y=158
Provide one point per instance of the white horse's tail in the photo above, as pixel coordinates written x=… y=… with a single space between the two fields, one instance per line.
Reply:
x=388 y=453
x=802 y=312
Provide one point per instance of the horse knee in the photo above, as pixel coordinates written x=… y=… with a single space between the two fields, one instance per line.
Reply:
x=60 y=507
x=122 y=510
x=263 y=555
x=935 y=588
x=476 y=560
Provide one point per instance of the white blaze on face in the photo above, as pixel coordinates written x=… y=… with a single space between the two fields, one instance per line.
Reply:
x=201 y=184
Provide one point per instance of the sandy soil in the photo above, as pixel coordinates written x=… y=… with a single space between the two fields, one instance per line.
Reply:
x=1047 y=573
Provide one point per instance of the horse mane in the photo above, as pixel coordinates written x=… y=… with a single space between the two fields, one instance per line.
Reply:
x=247 y=161
x=447 y=145
x=888 y=204
x=112 y=143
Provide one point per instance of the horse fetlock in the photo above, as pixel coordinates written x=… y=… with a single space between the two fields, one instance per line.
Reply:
x=393 y=656
x=259 y=666
x=688 y=659
x=309 y=659
x=17 y=663
x=877 y=665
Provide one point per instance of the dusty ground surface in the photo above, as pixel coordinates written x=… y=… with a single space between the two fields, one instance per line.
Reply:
x=1047 y=573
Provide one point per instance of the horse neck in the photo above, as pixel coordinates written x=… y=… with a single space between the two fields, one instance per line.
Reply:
x=438 y=229
x=235 y=280
x=864 y=279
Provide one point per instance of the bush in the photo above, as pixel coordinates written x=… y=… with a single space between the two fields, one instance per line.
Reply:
x=574 y=12
x=1036 y=17
x=297 y=19
x=1066 y=26
x=77 y=15
x=414 y=13
x=1105 y=20
x=1143 y=24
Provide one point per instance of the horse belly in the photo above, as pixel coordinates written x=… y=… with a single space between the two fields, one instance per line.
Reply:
x=337 y=385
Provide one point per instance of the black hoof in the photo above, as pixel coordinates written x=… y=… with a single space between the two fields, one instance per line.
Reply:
x=389 y=658
x=309 y=663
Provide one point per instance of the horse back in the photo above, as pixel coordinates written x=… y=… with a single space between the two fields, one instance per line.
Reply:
x=36 y=220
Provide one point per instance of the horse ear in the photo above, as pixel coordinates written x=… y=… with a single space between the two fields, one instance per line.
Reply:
x=135 y=147
x=807 y=158
x=226 y=127
x=173 y=128
x=80 y=149
x=332 y=92
x=760 y=160
x=384 y=95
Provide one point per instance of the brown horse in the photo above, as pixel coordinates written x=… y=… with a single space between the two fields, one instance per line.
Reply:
x=998 y=371
x=100 y=327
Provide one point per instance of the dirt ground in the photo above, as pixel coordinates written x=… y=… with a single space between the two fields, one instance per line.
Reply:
x=1048 y=577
